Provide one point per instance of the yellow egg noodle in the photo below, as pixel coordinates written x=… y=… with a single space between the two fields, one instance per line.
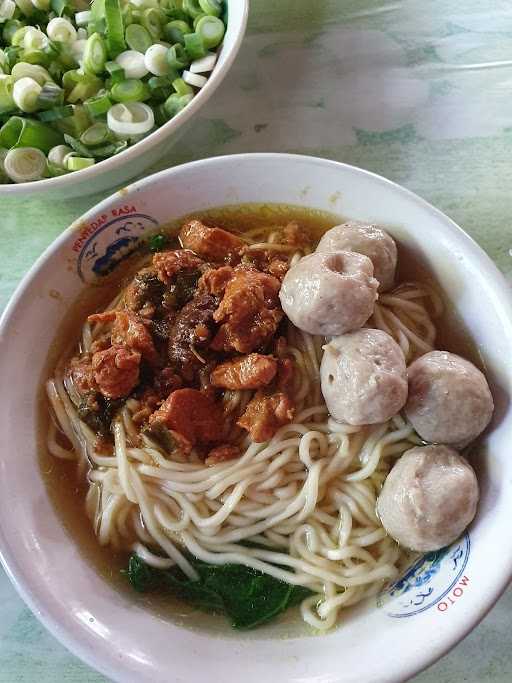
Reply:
x=307 y=497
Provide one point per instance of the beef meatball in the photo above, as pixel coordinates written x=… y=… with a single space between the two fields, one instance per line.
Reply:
x=449 y=399
x=429 y=498
x=364 y=377
x=369 y=240
x=329 y=294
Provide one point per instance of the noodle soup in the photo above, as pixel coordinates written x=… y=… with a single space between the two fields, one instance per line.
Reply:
x=248 y=486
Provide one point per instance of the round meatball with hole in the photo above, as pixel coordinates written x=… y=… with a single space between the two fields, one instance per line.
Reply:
x=329 y=294
x=369 y=240
x=449 y=399
x=364 y=377
x=428 y=498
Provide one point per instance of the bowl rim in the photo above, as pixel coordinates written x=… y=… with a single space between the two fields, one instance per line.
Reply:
x=16 y=572
x=151 y=141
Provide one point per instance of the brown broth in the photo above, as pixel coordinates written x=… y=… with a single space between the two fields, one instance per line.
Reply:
x=67 y=492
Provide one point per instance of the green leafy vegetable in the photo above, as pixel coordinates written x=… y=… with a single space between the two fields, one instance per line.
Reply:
x=246 y=596
x=98 y=412
x=162 y=435
x=157 y=242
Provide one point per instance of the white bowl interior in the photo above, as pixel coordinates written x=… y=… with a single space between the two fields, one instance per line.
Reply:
x=436 y=605
x=128 y=164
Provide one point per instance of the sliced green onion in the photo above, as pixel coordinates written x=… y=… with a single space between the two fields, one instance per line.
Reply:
x=71 y=78
x=61 y=7
x=25 y=7
x=97 y=10
x=95 y=135
x=77 y=146
x=133 y=63
x=192 y=7
x=116 y=72
x=196 y=21
x=161 y=86
x=83 y=90
x=138 y=38
x=161 y=115
x=159 y=82
x=20 y=132
x=56 y=113
x=147 y=4
x=18 y=38
x=80 y=85
x=131 y=90
x=54 y=171
x=175 y=30
x=211 y=30
x=174 y=10
x=128 y=18
x=10 y=28
x=63 y=53
x=25 y=94
x=61 y=30
x=156 y=60
x=97 y=26
x=39 y=57
x=194 y=46
x=196 y=80
x=7 y=9
x=98 y=105
x=213 y=7
x=152 y=22
x=132 y=118
x=79 y=163
x=3 y=175
x=56 y=71
x=109 y=150
x=34 y=39
x=76 y=124
x=177 y=58
x=95 y=54
x=58 y=154
x=78 y=50
x=7 y=103
x=206 y=63
x=50 y=96
x=175 y=103
x=181 y=87
x=83 y=18
x=24 y=165
x=11 y=54
x=114 y=28
x=34 y=71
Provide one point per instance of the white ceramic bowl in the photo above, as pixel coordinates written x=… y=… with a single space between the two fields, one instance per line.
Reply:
x=130 y=163
x=437 y=603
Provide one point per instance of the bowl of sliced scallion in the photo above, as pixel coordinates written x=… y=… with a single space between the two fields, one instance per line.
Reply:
x=91 y=94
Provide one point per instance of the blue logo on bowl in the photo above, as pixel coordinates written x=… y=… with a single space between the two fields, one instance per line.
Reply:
x=112 y=243
x=427 y=581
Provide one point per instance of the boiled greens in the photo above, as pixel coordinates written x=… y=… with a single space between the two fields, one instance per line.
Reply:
x=246 y=596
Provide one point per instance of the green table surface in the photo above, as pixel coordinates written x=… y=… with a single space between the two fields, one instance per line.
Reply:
x=417 y=91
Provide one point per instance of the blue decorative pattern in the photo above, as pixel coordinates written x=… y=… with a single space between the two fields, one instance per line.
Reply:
x=427 y=581
x=111 y=244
